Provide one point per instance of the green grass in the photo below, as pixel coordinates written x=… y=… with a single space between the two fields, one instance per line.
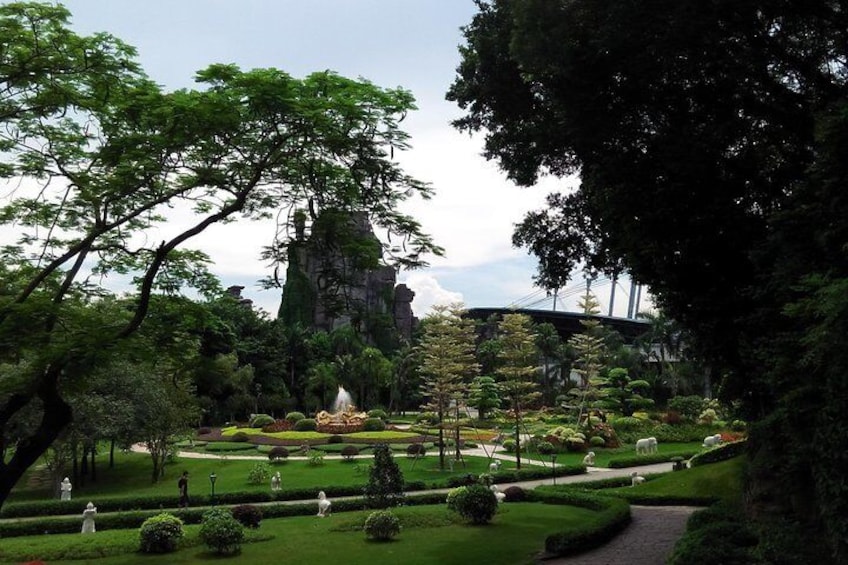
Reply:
x=603 y=456
x=387 y=435
x=721 y=480
x=131 y=475
x=430 y=534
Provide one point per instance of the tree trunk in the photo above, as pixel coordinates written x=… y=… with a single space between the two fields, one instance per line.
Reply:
x=517 y=444
x=93 y=468
x=112 y=454
x=56 y=417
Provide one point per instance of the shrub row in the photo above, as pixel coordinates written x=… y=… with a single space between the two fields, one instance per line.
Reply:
x=720 y=453
x=521 y=475
x=613 y=517
x=650 y=458
x=716 y=534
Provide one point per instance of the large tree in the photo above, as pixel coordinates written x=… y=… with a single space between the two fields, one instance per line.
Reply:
x=709 y=141
x=98 y=154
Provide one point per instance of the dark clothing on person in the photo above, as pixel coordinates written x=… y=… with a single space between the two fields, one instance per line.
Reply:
x=183 y=486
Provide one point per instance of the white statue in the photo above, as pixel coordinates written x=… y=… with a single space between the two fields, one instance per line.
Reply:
x=88 y=518
x=712 y=441
x=589 y=459
x=646 y=445
x=323 y=504
x=495 y=466
x=275 y=482
x=65 y=487
x=498 y=494
x=635 y=479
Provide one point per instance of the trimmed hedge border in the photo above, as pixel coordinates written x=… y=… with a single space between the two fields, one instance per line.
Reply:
x=637 y=460
x=721 y=453
x=615 y=516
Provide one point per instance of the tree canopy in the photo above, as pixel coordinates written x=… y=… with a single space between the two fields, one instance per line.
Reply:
x=98 y=156
x=705 y=136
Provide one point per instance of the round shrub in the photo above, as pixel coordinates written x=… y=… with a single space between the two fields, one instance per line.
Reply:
x=382 y=525
x=240 y=437
x=374 y=425
x=258 y=474
x=597 y=441
x=738 y=425
x=515 y=494
x=277 y=453
x=509 y=445
x=627 y=423
x=475 y=503
x=349 y=452
x=295 y=416
x=247 y=515
x=453 y=494
x=335 y=439
x=545 y=447
x=306 y=425
x=416 y=450
x=261 y=420
x=575 y=444
x=160 y=533
x=427 y=418
x=377 y=413
x=221 y=532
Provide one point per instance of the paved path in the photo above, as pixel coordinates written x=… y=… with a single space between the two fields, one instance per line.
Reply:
x=648 y=540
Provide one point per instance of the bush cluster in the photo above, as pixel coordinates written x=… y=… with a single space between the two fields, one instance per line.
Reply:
x=715 y=535
x=614 y=515
x=416 y=450
x=248 y=515
x=160 y=533
x=295 y=416
x=240 y=437
x=306 y=425
x=277 y=453
x=349 y=452
x=636 y=460
x=258 y=474
x=723 y=452
x=335 y=439
x=476 y=503
x=278 y=426
x=260 y=421
x=377 y=413
x=374 y=425
x=382 y=525
x=221 y=532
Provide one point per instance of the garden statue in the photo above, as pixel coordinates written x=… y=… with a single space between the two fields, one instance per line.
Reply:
x=88 y=518
x=498 y=494
x=646 y=445
x=323 y=504
x=275 y=482
x=712 y=441
x=495 y=466
x=589 y=459
x=65 y=487
x=344 y=412
x=635 y=479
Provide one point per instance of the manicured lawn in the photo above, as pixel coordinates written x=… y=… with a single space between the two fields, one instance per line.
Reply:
x=722 y=480
x=388 y=435
x=603 y=456
x=430 y=534
x=132 y=475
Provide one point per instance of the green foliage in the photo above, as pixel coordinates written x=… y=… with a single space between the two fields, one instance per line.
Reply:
x=509 y=445
x=597 y=441
x=484 y=395
x=316 y=459
x=723 y=538
x=306 y=425
x=546 y=447
x=248 y=515
x=259 y=474
x=277 y=454
x=374 y=425
x=349 y=452
x=628 y=423
x=261 y=420
x=295 y=416
x=382 y=525
x=475 y=503
x=240 y=437
x=221 y=532
x=722 y=452
x=647 y=459
x=160 y=533
x=687 y=406
x=385 y=480
x=378 y=413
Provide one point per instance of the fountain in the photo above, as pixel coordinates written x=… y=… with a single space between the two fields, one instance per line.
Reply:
x=344 y=414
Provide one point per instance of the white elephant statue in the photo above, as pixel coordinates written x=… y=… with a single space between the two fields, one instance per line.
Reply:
x=712 y=441
x=636 y=479
x=589 y=459
x=646 y=445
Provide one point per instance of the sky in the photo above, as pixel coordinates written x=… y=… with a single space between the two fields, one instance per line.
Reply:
x=408 y=43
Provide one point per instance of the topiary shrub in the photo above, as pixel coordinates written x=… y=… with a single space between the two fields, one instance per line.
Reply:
x=475 y=503
x=377 y=413
x=509 y=445
x=597 y=441
x=575 y=444
x=374 y=425
x=306 y=425
x=335 y=439
x=427 y=418
x=349 y=452
x=160 y=533
x=545 y=447
x=247 y=515
x=258 y=474
x=240 y=437
x=416 y=450
x=515 y=494
x=277 y=454
x=221 y=532
x=382 y=525
x=260 y=421
x=385 y=480
x=295 y=416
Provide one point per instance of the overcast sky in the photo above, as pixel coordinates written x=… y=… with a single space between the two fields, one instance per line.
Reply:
x=407 y=43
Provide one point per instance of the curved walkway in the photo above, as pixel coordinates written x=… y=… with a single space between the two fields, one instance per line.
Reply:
x=648 y=540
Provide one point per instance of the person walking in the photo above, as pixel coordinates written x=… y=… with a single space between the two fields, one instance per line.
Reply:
x=183 y=486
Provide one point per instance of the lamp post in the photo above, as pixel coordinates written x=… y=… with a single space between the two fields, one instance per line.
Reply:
x=212 y=478
x=553 y=465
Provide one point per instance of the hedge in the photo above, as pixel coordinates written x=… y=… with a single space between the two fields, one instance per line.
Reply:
x=523 y=475
x=614 y=516
x=721 y=453
x=637 y=460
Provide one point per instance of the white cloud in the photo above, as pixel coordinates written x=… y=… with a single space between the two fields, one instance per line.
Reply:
x=428 y=292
